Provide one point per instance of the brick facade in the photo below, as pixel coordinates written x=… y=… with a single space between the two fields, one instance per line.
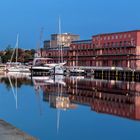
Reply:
x=116 y=49
x=120 y=49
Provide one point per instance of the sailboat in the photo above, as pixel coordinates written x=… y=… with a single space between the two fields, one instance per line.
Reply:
x=47 y=67
x=16 y=66
x=14 y=90
x=58 y=67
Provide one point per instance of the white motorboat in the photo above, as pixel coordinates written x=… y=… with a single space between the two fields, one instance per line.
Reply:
x=74 y=70
x=40 y=70
x=52 y=65
x=46 y=65
x=19 y=68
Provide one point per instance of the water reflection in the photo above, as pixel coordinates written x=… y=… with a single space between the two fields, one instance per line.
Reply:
x=21 y=79
x=54 y=91
x=67 y=94
x=103 y=96
x=13 y=81
x=110 y=97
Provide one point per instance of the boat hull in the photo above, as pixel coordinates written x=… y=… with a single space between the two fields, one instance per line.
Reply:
x=40 y=71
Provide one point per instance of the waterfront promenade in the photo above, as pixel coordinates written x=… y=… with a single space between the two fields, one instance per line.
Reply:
x=9 y=132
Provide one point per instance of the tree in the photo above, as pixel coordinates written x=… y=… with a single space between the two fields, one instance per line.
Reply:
x=6 y=56
x=23 y=55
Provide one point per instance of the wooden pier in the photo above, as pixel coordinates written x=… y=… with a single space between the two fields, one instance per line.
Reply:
x=123 y=75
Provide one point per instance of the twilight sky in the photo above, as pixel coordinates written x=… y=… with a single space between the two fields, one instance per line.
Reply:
x=83 y=17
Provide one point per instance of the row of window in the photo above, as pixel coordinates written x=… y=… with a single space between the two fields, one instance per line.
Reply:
x=109 y=37
x=116 y=44
x=54 y=53
x=108 y=44
x=117 y=51
x=81 y=46
x=101 y=52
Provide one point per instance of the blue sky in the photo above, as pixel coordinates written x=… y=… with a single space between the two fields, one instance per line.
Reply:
x=84 y=17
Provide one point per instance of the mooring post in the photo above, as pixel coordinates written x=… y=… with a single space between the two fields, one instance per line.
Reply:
x=102 y=74
x=116 y=75
x=133 y=75
x=124 y=75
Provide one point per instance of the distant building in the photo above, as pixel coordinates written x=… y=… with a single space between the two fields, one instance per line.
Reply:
x=63 y=39
x=52 y=47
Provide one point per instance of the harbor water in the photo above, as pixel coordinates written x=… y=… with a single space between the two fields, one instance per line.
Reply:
x=71 y=108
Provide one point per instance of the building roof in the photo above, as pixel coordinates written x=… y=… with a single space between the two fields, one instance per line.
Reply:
x=116 y=32
x=65 y=34
x=81 y=41
x=56 y=48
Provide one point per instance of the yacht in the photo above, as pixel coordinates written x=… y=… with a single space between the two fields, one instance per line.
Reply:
x=18 y=68
x=39 y=68
x=46 y=65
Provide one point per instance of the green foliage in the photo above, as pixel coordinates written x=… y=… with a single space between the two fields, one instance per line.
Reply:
x=6 y=55
x=23 y=55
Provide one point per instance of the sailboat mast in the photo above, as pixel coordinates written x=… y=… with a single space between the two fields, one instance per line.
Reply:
x=15 y=50
x=17 y=47
x=60 y=42
x=12 y=56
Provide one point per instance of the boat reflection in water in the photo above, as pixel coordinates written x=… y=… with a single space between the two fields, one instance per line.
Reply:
x=102 y=96
x=20 y=78
x=110 y=97
x=54 y=86
x=53 y=92
x=70 y=95
x=13 y=81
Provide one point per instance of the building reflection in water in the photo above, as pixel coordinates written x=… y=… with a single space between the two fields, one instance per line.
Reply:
x=54 y=91
x=110 y=97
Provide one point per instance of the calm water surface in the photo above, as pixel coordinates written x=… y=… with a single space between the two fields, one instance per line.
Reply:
x=71 y=108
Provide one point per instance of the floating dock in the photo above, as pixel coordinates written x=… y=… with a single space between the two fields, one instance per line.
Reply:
x=111 y=73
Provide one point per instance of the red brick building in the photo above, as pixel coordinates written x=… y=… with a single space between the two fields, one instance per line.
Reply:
x=80 y=53
x=117 y=49
x=120 y=49
x=54 y=53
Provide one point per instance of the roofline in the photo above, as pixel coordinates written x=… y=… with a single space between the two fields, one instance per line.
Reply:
x=80 y=41
x=66 y=34
x=116 y=33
